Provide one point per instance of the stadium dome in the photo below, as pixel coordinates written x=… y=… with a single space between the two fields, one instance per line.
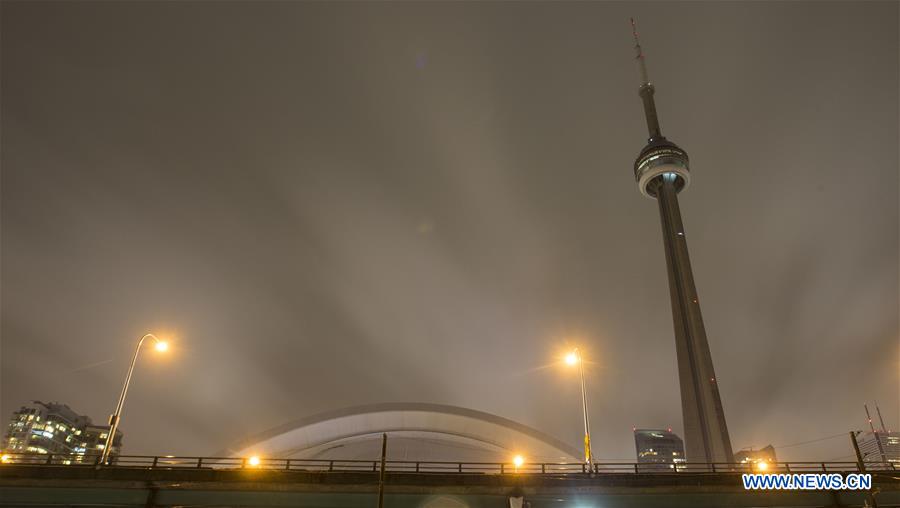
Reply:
x=416 y=432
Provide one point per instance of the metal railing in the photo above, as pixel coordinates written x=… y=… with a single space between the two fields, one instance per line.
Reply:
x=402 y=466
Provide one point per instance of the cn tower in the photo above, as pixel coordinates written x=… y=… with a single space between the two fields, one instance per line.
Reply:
x=661 y=171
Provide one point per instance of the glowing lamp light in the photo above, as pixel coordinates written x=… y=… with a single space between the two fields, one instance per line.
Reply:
x=518 y=460
x=162 y=346
x=572 y=358
x=253 y=461
x=762 y=466
x=5 y=458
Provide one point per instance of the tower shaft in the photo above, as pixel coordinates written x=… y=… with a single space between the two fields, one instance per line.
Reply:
x=705 y=431
x=662 y=171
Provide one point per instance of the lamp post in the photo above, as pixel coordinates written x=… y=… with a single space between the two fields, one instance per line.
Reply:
x=160 y=346
x=573 y=358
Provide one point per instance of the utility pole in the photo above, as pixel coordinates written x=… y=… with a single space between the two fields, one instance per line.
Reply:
x=381 y=476
x=860 y=464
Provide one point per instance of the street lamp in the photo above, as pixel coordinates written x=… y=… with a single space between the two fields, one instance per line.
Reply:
x=161 y=346
x=575 y=358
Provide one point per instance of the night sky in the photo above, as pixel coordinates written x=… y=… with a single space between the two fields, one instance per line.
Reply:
x=332 y=204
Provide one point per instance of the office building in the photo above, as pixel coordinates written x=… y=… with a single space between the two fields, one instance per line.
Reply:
x=765 y=454
x=661 y=447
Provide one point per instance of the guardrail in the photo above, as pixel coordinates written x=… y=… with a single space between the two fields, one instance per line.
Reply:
x=401 y=466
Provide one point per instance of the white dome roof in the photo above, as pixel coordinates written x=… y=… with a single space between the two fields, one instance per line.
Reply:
x=416 y=432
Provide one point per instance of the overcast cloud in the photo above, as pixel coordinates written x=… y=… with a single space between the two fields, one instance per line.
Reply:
x=333 y=204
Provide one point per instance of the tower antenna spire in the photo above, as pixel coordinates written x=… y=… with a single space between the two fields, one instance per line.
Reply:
x=878 y=410
x=646 y=90
x=639 y=54
x=869 y=418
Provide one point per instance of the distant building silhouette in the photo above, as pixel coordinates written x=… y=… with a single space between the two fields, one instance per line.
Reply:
x=661 y=447
x=765 y=454
x=54 y=428
x=880 y=446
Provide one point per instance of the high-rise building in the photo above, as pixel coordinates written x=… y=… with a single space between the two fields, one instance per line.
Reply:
x=658 y=446
x=661 y=171
x=880 y=446
x=764 y=454
x=54 y=428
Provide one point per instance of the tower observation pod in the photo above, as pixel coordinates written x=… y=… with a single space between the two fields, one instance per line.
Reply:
x=662 y=172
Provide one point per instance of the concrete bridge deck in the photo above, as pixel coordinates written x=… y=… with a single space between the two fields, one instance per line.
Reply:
x=56 y=485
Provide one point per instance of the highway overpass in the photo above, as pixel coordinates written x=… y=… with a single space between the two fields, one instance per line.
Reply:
x=198 y=482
